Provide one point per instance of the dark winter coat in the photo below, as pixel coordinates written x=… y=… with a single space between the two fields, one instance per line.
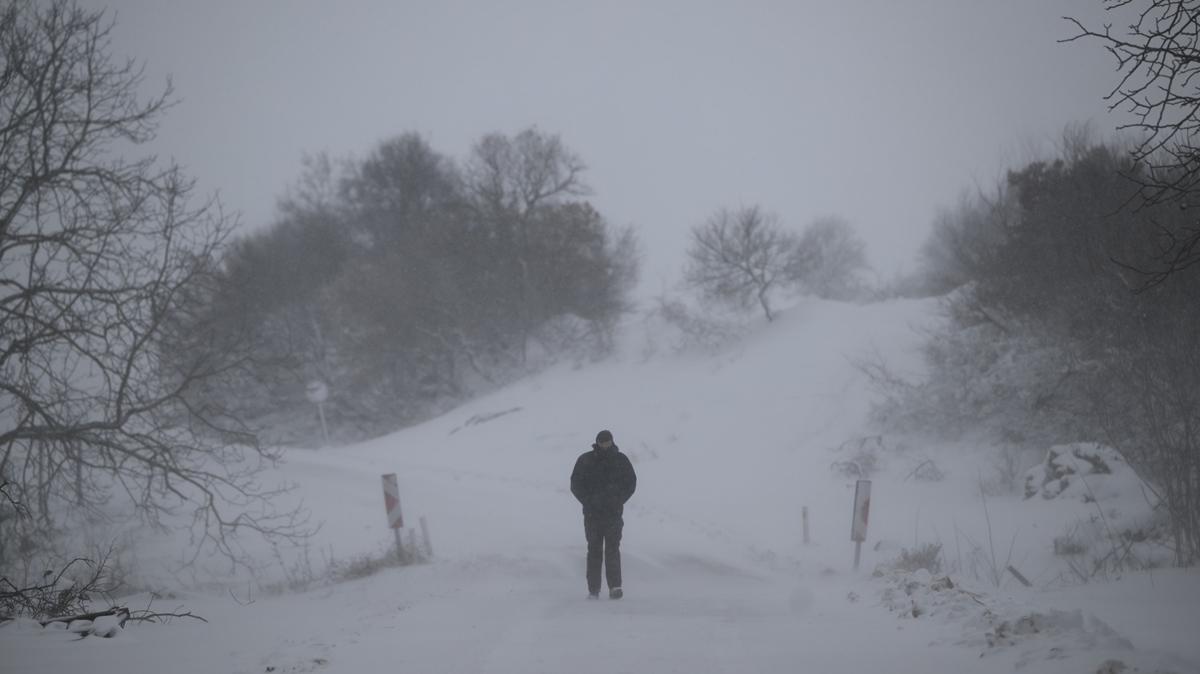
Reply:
x=603 y=480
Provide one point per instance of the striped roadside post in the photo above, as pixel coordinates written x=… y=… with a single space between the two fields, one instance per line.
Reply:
x=391 y=501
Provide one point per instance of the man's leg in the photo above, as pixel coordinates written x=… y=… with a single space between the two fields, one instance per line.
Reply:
x=612 y=552
x=594 y=531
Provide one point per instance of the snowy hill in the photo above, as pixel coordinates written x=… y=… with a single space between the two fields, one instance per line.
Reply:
x=729 y=448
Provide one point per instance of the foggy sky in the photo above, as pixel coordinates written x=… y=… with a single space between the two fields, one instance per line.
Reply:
x=879 y=111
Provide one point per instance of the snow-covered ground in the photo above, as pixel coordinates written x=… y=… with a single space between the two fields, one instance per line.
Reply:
x=729 y=448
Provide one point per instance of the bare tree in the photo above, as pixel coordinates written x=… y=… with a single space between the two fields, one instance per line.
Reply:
x=510 y=180
x=1043 y=311
x=406 y=278
x=1150 y=405
x=510 y=177
x=965 y=236
x=1158 y=63
x=738 y=257
x=827 y=259
x=99 y=258
x=401 y=193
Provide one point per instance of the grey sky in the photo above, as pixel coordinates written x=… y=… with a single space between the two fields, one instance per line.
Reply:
x=878 y=110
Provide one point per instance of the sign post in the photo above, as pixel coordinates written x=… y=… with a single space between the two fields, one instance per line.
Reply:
x=391 y=502
x=862 y=510
x=804 y=518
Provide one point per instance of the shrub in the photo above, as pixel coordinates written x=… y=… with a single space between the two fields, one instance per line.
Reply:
x=927 y=556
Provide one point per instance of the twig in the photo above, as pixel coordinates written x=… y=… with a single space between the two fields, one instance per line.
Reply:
x=919 y=467
x=21 y=510
x=249 y=597
x=119 y=611
x=1017 y=574
x=1113 y=537
x=972 y=595
x=146 y=615
x=991 y=543
x=152 y=616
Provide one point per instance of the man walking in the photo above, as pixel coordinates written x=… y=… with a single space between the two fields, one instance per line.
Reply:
x=603 y=480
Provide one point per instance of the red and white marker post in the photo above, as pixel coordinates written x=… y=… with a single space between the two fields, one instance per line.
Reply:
x=391 y=501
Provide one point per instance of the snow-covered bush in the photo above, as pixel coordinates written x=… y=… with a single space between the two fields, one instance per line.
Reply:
x=919 y=594
x=1009 y=463
x=862 y=457
x=301 y=573
x=927 y=556
x=674 y=324
x=996 y=625
x=570 y=337
x=1088 y=471
x=62 y=591
x=1117 y=526
x=982 y=381
x=1070 y=544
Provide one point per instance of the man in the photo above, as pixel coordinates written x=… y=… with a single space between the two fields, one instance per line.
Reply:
x=603 y=480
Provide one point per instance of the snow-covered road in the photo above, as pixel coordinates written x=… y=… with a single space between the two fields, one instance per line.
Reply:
x=728 y=450
x=517 y=616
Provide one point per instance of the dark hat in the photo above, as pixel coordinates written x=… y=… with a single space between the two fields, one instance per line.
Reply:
x=603 y=436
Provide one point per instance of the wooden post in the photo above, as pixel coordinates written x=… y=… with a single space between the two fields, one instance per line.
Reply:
x=862 y=511
x=804 y=519
x=318 y=393
x=412 y=550
x=425 y=538
x=400 y=554
x=324 y=427
x=1017 y=574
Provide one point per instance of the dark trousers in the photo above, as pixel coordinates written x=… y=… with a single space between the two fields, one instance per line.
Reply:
x=603 y=533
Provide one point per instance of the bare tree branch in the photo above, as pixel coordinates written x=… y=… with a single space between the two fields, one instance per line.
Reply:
x=738 y=257
x=1158 y=62
x=100 y=257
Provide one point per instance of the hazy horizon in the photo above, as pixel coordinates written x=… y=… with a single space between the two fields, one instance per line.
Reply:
x=879 y=112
